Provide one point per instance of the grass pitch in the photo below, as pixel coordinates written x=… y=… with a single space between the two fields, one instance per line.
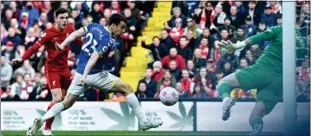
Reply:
x=136 y=133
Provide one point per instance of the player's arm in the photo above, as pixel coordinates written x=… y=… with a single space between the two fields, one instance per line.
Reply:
x=90 y=64
x=33 y=49
x=267 y=35
x=76 y=34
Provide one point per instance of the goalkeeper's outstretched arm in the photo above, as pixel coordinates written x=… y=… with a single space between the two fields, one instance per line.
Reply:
x=268 y=35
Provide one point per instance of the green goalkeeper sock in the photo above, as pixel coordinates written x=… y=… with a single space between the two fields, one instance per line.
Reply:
x=225 y=88
x=255 y=120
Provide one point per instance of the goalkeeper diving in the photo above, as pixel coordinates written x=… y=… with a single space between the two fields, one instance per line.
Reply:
x=265 y=76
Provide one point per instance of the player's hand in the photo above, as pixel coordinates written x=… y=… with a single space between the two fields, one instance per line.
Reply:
x=82 y=80
x=228 y=45
x=16 y=61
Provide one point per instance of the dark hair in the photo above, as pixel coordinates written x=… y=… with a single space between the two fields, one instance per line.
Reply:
x=184 y=37
x=116 y=19
x=219 y=71
x=60 y=11
x=155 y=37
x=240 y=28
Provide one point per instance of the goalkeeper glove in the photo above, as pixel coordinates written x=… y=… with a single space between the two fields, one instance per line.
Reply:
x=232 y=46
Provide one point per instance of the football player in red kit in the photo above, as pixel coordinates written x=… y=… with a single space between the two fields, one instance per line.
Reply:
x=56 y=69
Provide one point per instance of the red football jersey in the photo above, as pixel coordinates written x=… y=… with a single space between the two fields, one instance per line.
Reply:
x=56 y=59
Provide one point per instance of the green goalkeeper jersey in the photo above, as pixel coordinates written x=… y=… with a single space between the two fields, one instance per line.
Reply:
x=272 y=56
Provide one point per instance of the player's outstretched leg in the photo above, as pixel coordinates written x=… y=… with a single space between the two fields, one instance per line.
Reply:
x=57 y=97
x=225 y=87
x=146 y=121
x=57 y=108
x=255 y=119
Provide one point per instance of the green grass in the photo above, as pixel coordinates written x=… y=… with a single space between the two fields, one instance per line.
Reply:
x=136 y=133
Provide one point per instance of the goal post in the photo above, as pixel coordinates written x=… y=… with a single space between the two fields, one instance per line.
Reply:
x=289 y=66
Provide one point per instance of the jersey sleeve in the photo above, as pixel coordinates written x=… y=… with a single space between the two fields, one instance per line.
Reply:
x=267 y=35
x=33 y=49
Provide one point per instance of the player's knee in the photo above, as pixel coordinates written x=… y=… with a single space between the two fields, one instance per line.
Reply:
x=126 y=88
x=57 y=99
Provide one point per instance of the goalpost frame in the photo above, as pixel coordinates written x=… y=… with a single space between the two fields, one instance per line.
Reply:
x=289 y=66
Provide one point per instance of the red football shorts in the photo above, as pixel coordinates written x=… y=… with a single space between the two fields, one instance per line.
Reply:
x=59 y=79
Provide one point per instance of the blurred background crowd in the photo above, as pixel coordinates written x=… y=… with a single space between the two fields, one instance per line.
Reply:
x=185 y=55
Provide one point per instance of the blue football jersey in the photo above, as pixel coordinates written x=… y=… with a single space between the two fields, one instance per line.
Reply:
x=97 y=39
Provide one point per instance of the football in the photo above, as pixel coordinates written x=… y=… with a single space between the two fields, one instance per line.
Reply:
x=169 y=96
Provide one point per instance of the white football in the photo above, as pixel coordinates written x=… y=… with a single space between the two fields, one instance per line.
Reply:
x=169 y=96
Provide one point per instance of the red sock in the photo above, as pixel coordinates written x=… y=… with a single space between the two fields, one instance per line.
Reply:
x=49 y=122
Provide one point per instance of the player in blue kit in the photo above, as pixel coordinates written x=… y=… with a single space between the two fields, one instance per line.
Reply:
x=98 y=42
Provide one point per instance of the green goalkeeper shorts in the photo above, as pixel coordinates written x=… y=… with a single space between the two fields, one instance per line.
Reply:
x=268 y=84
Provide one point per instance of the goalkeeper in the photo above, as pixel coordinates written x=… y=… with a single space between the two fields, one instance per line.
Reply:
x=265 y=76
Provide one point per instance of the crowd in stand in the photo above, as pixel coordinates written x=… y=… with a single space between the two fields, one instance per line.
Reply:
x=186 y=55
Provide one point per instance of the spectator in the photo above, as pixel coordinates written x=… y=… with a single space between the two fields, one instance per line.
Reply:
x=243 y=63
x=191 y=39
x=177 y=31
x=115 y=8
x=206 y=34
x=9 y=52
x=191 y=26
x=239 y=37
x=241 y=11
x=4 y=32
x=15 y=39
x=268 y=17
x=96 y=13
x=158 y=71
x=32 y=12
x=25 y=69
x=228 y=69
x=227 y=26
x=15 y=9
x=229 y=57
x=181 y=92
x=220 y=16
x=166 y=41
x=183 y=49
x=203 y=80
x=175 y=72
x=256 y=51
x=157 y=49
x=19 y=31
x=198 y=60
x=216 y=53
x=224 y=35
x=151 y=84
x=8 y=16
x=172 y=22
x=248 y=27
x=219 y=75
x=198 y=92
x=43 y=20
x=276 y=7
x=204 y=48
x=167 y=81
x=141 y=90
x=236 y=17
x=29 y=83
x=131 y=24
x=249 y=56
x=254 y=13
x=6 y=72
x=103 y=21
x=19 y=88
x=180 y=61
x=186 y=82
x=303 y=81
x=204 y=18
x=8 y=95
x=30 y=38
x=191 y=69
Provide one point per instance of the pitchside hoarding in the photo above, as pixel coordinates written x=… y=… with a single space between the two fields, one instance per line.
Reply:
x=99 y=116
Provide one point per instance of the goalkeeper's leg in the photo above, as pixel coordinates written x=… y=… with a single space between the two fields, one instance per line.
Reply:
x=225 y=87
